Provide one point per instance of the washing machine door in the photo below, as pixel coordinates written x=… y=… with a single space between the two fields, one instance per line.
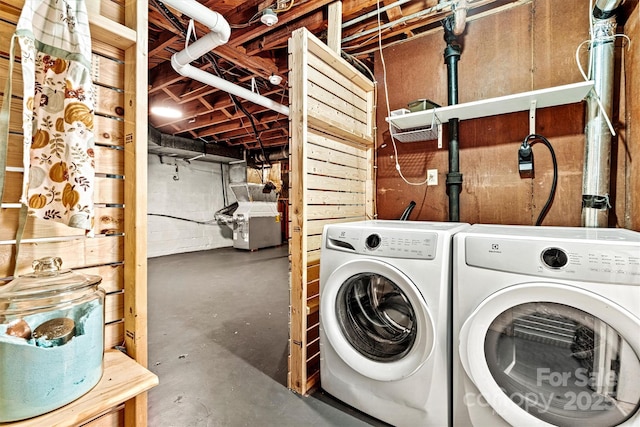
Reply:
x=376 y=319
x=552 y=354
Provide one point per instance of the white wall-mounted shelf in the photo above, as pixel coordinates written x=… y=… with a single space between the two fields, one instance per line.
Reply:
x=559 y=95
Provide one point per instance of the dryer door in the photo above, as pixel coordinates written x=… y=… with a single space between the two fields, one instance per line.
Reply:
x=376 y=319
x=552 y=354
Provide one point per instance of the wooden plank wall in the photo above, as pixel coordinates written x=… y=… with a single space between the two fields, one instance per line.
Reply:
x=525 y=46
x=103 y=254
x=331 y=179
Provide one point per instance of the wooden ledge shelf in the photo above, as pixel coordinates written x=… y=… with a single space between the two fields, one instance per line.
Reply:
x=122 y=380
x=313 y=305
x=102 y=28
x=111 y=32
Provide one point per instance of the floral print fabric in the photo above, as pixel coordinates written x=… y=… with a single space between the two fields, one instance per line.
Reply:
x=58 y=111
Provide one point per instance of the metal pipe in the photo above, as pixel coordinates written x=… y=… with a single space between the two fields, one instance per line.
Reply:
x=212 y=80
x=219 y=35
x=438 y=7
x=454 y=177
x=373 y=13
x=597 y=152
x=278 y=154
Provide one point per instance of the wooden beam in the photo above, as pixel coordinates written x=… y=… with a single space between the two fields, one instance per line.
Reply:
x=300 y=9
x=393 y=13
x=259 y=66
x=165 y=40
x=313 y=23
x=227 y=129
x=202 y=106
x=135 y=196
x=162 y=76
x=297 y=380
x=334 y=33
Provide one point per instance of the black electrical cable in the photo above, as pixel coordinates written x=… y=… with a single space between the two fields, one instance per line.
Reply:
x=210 y=222
x=239 y=106
x=529 y=141
x=224 y=185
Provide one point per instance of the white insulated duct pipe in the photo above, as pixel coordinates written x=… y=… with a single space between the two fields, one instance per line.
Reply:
x=597 y=152
x=219 y=35
x=460 y=16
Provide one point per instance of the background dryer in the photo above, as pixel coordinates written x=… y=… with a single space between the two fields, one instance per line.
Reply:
x=546 y=326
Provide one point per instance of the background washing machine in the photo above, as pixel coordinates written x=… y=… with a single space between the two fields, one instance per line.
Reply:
x=546 y=326
x=384 y=316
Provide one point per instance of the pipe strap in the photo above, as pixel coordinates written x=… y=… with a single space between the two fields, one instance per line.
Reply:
x=454 y=178
x=596 y=202
x=603 y=14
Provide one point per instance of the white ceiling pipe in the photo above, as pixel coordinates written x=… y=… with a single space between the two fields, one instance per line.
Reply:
x=460 y=16
x=215 y=21
x=225 y=85
x=219 y=35
x=198 y=48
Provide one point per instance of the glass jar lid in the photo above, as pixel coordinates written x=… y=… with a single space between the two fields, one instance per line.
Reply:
x=47 y=279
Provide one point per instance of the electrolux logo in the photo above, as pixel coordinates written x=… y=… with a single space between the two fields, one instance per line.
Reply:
x=495 y=248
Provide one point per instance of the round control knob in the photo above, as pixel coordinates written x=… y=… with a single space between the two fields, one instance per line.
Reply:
x=554 y=258
x=373 y=241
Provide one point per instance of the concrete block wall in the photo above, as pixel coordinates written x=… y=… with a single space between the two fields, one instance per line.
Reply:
x=191 y=195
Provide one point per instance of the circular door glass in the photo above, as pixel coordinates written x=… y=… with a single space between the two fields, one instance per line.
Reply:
x=376 y=317
x=563 y=365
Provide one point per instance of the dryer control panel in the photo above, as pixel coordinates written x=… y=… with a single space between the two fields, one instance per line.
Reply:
x=607 y=262
x=389 y=243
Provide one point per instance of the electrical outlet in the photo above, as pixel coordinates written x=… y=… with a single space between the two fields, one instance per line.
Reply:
x=432 y=176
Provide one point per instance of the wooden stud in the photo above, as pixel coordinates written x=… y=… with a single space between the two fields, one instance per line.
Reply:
x=135 y=195
x=297 y=244
x=334 y=32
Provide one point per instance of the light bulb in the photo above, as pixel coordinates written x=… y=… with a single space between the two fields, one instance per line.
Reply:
x=168 y=112
x=275 y=80
x=269 y=17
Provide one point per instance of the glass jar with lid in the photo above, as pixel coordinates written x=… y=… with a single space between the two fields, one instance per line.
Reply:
x=51 y=339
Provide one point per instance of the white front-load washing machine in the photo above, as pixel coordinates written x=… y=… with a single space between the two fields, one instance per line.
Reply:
x=384 y=318
x=546 y=325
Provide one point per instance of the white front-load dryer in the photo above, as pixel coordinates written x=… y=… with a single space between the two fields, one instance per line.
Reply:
x=384 y=318
x=546 y=324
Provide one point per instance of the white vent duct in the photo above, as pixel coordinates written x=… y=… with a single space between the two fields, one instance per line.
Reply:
x=460 y=16
x=597 y=171
x=219 y=35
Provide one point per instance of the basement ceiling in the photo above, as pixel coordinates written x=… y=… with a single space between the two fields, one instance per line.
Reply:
x=222 y=125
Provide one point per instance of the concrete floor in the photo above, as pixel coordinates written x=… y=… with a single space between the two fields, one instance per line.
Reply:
x=218 y=330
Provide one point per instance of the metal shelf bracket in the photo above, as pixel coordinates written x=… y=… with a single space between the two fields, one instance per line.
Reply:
x=532 y=117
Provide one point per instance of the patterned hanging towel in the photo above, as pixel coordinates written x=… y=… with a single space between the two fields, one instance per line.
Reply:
x=58 y=111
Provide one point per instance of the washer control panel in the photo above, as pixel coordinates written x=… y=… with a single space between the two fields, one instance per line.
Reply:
x=413 y=244
x=608 y=262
